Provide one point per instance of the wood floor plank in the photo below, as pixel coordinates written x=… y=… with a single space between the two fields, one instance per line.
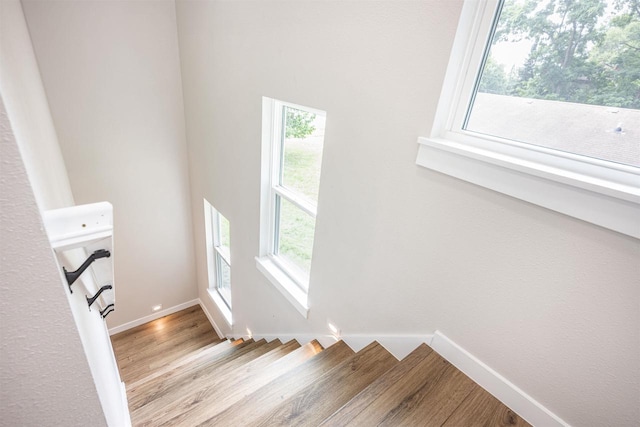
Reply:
x=188 y=334
x=199 y=405
x=158 y=393
x=157 y=354
x=406 y=393
x=248 y=410
x=262 y=362
x=179 y=373
x=165 y=333
x=434 y=402
x=174 y=320
x=481 y=409
x=362 y=400
x=254 y=366
x=192 y=358
x=161 y=386
x=141 y=350
x=310 y=406
x=161 y=330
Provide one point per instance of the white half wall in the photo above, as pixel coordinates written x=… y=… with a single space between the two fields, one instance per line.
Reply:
x=112 y=77
x=549 y=302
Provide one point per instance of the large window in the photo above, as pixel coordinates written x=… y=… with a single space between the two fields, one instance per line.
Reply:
x=542 y=102
x=293 y=138
x=218 y=239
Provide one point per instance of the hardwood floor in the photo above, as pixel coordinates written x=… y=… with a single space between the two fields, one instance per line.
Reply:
x=310 y=405
x=142 y=350
x=185 y=410
x=179 y=373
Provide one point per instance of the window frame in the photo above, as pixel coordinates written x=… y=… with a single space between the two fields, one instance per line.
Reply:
x=284 y=275
x=278 y=190
x=596 y=191
x=216 y=255
x=222 y=255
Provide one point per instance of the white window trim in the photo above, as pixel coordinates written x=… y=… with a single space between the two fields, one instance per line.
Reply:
x=287 y=279
x=596 y=191
x=212 y=249
x=222 y=306
x=277 y=276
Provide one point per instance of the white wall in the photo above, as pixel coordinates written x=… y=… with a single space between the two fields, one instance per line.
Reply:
x=35 y=136
x=43 y=370
x=26 y=104
x=550 y=302
x=111 y=73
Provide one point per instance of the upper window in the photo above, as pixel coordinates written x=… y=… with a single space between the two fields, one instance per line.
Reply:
x=218 y=239
x=564 y=75
x=542 y=102
x=293 y=138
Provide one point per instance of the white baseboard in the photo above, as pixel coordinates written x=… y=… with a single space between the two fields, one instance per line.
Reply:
x=398 y=345
x=505 y=391
x=324 y=340
x=210 y=317
x=154 y=316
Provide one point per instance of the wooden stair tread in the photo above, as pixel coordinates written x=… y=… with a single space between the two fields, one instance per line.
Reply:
x=481 y=409
x=361 y=401
x=310 y=406
x=144 y=363
x=189 y=356
x=179 y=373
x=256 y=365
x=199 y=404
x=261 y=362
x=163 y=388
x=426 y=396
x=247 y=411
x=203 y=352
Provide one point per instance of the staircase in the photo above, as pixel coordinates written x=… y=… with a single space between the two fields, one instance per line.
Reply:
x=259 y=383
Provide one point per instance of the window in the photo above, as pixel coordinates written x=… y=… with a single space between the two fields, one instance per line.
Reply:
x=542 y=102
x=293 y=138
x=218 y=258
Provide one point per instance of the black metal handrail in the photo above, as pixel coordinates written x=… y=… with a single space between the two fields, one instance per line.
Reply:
x=72 y=276
x=93 y=299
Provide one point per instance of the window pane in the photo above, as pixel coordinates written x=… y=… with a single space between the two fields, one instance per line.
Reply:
x=302 y=151
x=564 y=75
x=295 y=235
x=224 y=280
x=225 y=236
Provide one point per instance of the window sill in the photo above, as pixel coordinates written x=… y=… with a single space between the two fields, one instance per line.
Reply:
x=283 y=283
x=222 y=307
x=614 y=207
